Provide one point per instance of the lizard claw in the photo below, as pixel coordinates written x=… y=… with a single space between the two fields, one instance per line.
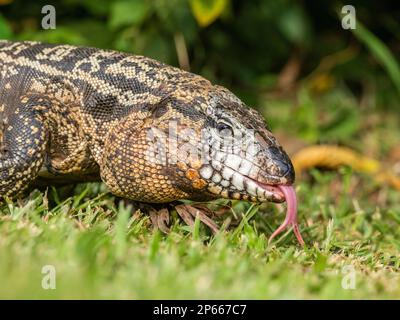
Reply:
x=160 y=219
x=219 y=211
x=188 y=212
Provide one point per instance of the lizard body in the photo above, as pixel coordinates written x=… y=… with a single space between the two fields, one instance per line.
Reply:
x=77 y=114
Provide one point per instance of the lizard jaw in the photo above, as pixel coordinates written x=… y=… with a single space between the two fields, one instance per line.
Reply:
x=262 y=192
x=232 y=184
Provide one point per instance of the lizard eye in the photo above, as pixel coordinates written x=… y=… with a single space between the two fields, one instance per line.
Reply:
x=224 y=129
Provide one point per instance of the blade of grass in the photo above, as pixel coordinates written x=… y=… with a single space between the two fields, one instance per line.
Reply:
x=246 y=217
x=380 y=51
x=121 y=230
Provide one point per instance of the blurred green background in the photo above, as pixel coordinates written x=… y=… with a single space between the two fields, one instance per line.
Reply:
x=314 y=82
x=290 y=59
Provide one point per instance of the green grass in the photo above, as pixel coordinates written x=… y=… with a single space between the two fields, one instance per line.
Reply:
x=103 y=251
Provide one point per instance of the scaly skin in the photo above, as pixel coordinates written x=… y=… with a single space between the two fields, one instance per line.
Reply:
x=78 y=114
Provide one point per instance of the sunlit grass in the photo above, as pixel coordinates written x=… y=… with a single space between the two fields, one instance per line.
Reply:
x=100 y=250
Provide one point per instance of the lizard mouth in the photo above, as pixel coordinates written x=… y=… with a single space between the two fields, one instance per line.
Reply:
x=242 y=183
x=274 y=190
x=256 y=191
x=286 y=193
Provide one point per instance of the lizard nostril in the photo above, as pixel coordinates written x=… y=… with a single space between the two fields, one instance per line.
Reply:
x=280 y=165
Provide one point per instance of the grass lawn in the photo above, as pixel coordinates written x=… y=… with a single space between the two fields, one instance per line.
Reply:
x=101 y=249
x=314 y=82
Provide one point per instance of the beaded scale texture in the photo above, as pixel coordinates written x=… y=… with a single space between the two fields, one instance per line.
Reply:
x=76 y=114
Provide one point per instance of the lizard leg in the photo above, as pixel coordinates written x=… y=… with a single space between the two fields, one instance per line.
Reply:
x=188 y=212
x=160 y=219
x=160 y=215
x=24 y=141
x=216 y=209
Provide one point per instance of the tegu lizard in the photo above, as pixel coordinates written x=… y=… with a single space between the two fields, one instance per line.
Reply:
x=151 y=132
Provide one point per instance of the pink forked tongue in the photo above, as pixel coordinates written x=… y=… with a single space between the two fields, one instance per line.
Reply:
x=291 y=214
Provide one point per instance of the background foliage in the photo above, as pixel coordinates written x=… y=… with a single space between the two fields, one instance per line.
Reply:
x=313 y=81
x=256 y=48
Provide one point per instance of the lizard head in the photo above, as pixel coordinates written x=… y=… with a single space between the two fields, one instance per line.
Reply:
x=246 y=161
x=223 y=148
x=196 y=142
